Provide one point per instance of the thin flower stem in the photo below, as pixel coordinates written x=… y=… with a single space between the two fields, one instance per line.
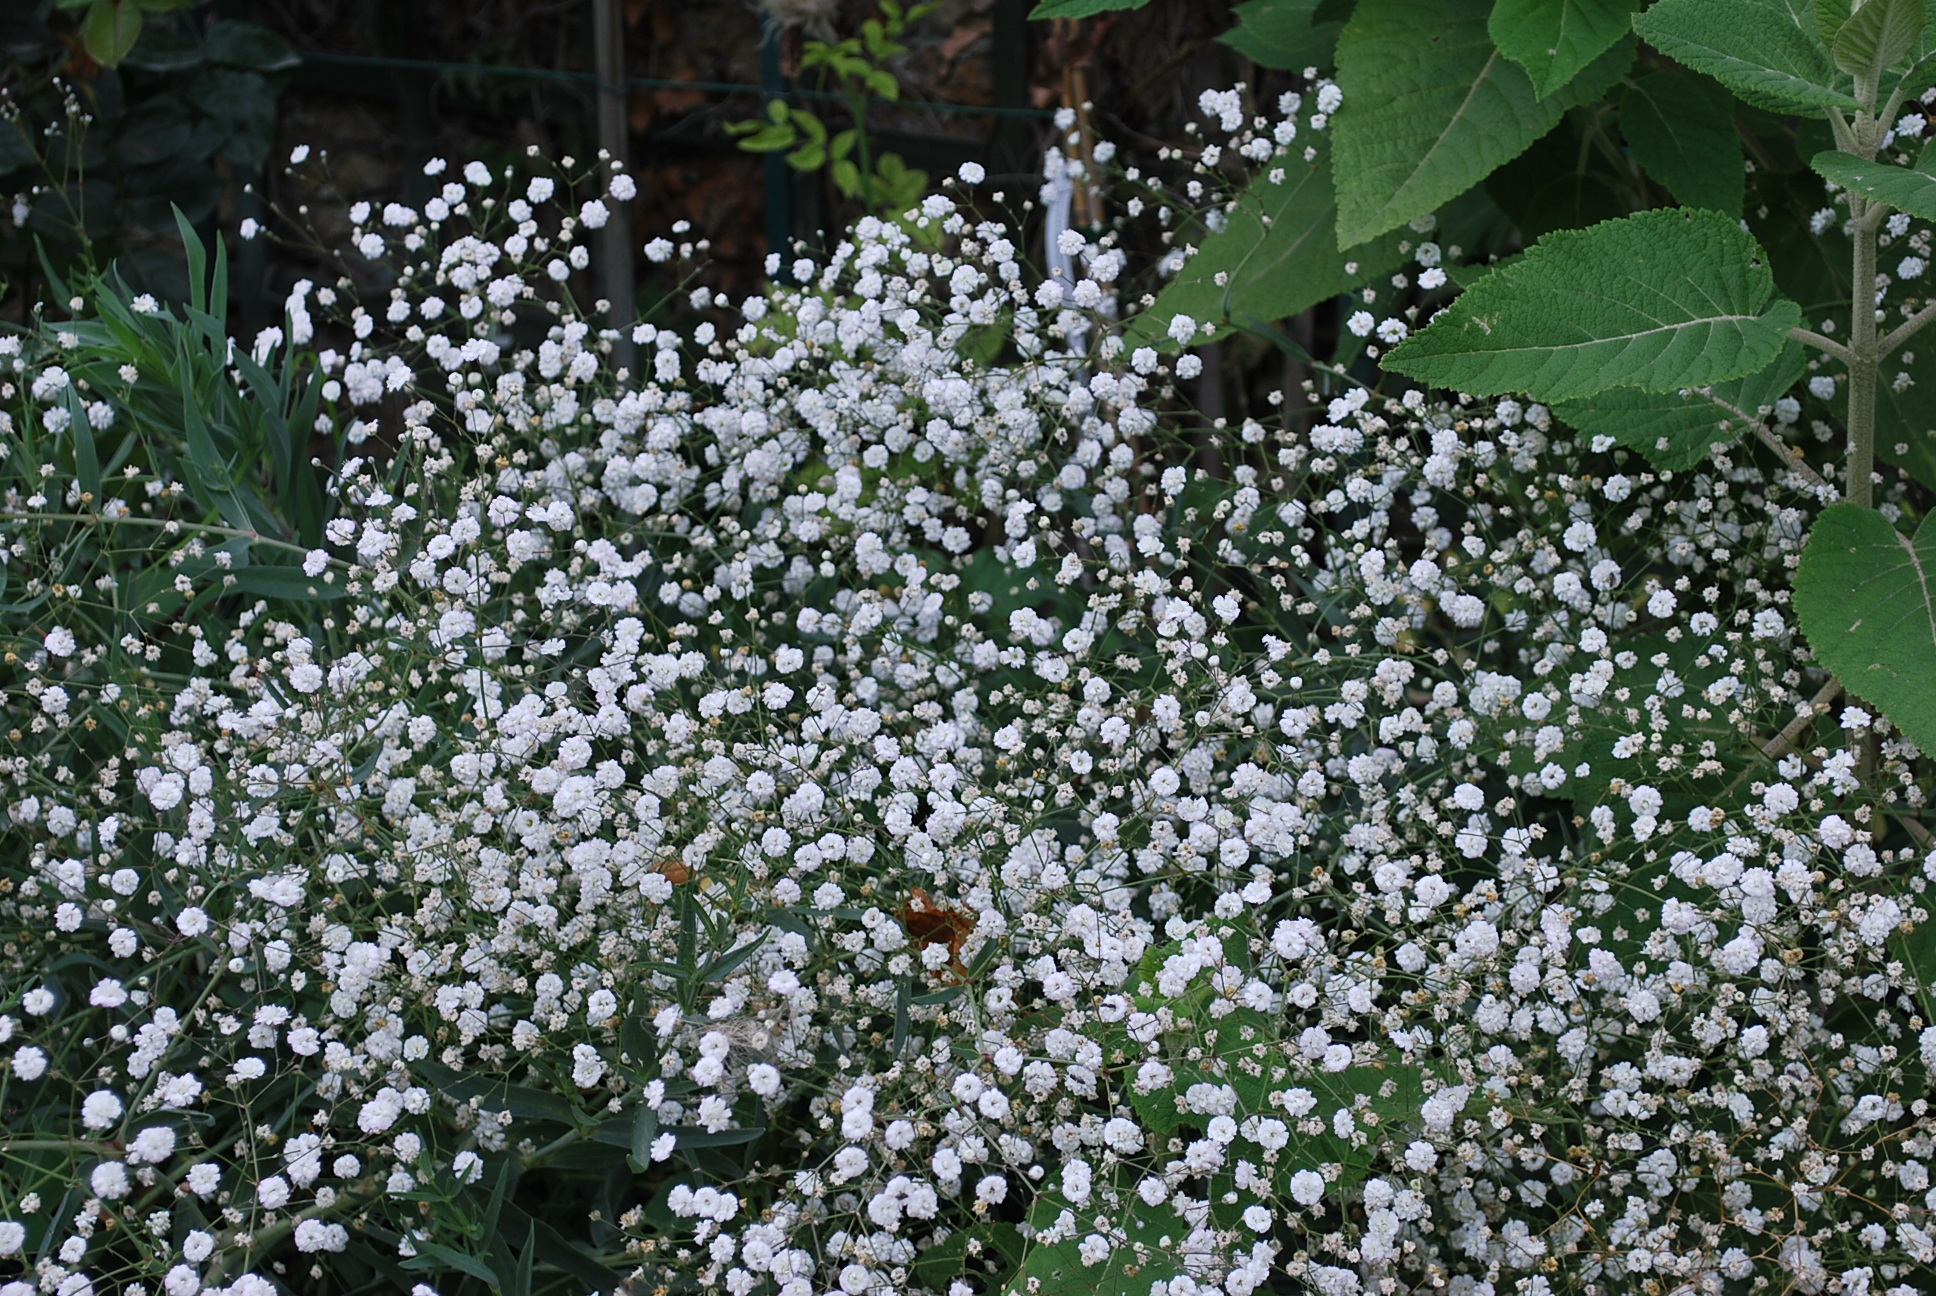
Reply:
x=1791 y=457
x=254 y=537
x=1784 y=742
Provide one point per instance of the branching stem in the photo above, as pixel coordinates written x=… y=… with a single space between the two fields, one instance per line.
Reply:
x=1827 y=346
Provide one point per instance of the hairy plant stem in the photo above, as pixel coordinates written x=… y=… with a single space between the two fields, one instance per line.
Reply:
x=1864 y=358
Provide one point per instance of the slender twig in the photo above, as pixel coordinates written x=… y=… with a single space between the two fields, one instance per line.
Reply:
x=1792 y=457
x=1810 y=337
x=1784 y=742
x=1908 y=328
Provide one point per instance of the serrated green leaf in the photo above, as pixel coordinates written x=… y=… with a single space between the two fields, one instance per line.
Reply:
x=1282 y=34
x=1878 y=35
x=1080 y=8
x=1431 y=107
x=948 y=1259
x=1681 y=129
x=1829 y=17
x=1675 y=430
x=1136 y=1259
x=1749 y=47
x=1899 y=187
x=110 y=30
x=1554 y=39
x=1863 y=595
x=1661 y=300
x=1271 y=270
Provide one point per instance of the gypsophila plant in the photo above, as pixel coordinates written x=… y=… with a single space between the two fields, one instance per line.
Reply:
x=885 y=799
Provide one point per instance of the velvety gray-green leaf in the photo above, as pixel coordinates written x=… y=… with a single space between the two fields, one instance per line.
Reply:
x=1279 y=255
x=1281 y=34
x=1675 y=430
x=1864 y=598
x=1661 y=301
x=1878 y=35
x=1749 y=48
x=1554 y=39
x=1432 y=107
x=1898 y=187
x=1681 y=129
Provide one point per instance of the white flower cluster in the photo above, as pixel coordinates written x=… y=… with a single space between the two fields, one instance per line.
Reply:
x=945 y=832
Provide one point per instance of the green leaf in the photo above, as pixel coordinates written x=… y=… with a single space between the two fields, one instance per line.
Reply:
x=1556 y=184
x=1137 y=1257
x=1661 y=301
x=1282 y=34
x=1681 y=129
x=1750 y=48
x=1554 y=39
x=245 y=45
x=1279 y=255
x=1431 y=108
x=110 y=30
x=692 y=1136
x=1829 y=17
x=1675 y=430
x=1878 y=35
x=1080 y=8
x=430 y=1255
x=1899 y=187
x=1863 y=597
x=948 y=1259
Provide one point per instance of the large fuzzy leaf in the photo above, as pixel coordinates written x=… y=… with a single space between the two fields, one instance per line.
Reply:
x=1555 y=39
x=1661 y=301
x=1432 y=107
x=1899 y=187
x=1681 y=129
x=1282 y=34
x=1675 y=430
x=1755 y=49
x=1863 y=594
x=1878 y=35
x=1278 y=255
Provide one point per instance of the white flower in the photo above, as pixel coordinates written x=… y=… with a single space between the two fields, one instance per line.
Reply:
x=100 y=1109
x=1307 y=1187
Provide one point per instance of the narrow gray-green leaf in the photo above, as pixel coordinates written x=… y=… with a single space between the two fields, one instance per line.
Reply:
x=1278 y=255
x=1681 y=129
x=1280 y=34
x=1081 y=8
x=1748 y=47
x=1878 y=35
x=1675 y=430
x=1554 y=39
x=1898 y=187
x=1863 y=596
x=1431 y=108
x=1661 y=301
